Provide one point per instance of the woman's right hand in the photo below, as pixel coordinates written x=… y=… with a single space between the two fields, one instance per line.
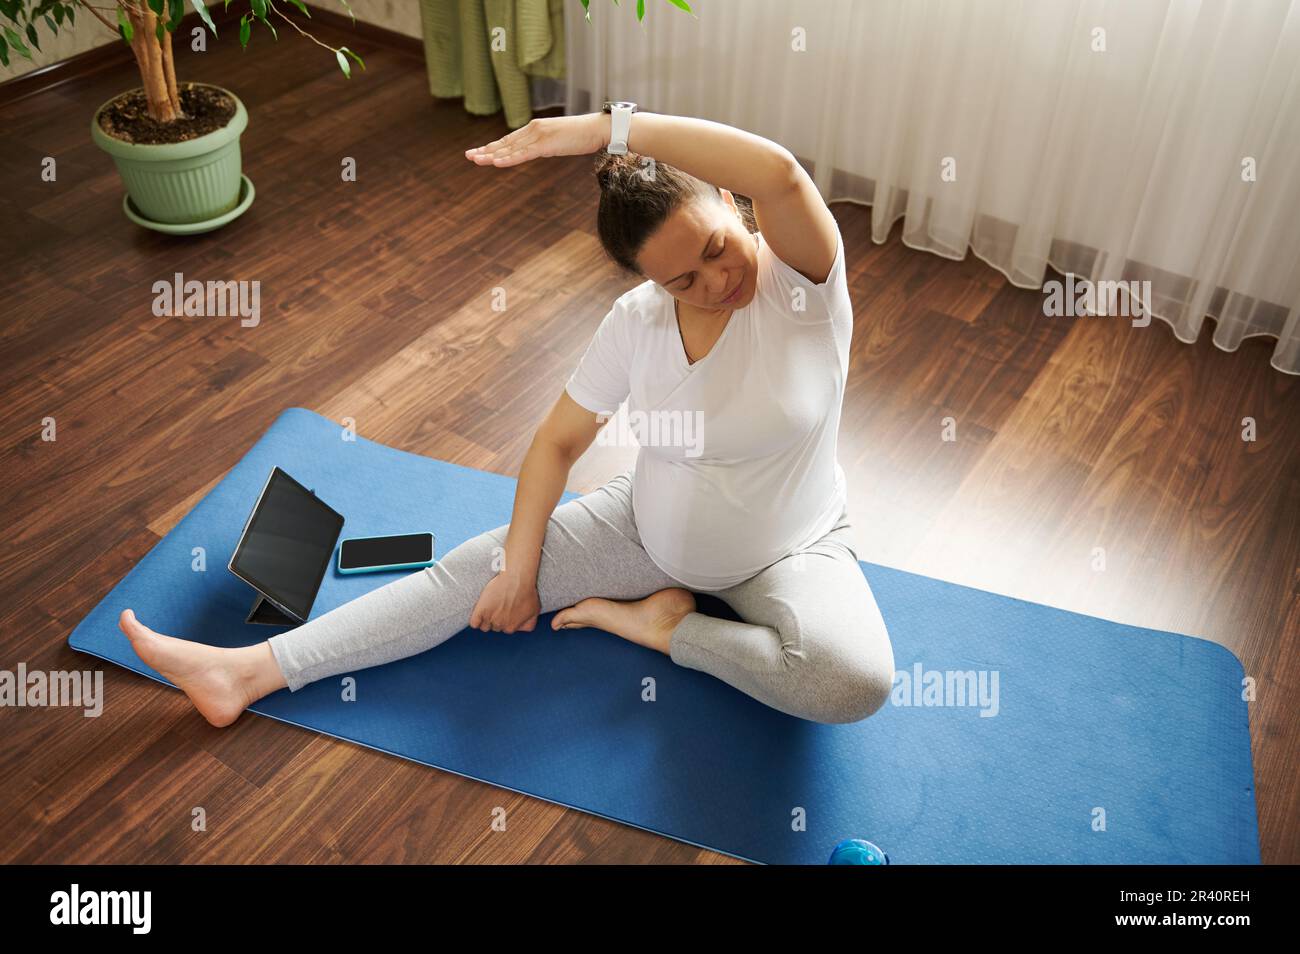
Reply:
x=508 y=603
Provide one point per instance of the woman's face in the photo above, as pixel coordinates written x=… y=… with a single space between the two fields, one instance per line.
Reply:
x=702 y=254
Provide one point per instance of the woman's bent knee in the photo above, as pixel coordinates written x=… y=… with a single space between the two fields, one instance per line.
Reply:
x=859 y=695
x=842 y=691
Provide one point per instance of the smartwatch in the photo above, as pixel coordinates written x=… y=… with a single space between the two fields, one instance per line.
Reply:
x=620 y=123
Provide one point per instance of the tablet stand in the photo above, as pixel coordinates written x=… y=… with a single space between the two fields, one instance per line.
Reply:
x=265 y=612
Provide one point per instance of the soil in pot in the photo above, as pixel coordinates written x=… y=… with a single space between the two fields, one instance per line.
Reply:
x=206 y=110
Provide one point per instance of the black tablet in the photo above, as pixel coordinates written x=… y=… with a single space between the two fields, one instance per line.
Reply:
x=287 y=544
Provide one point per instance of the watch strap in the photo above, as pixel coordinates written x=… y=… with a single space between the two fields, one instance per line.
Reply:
x=620 y=125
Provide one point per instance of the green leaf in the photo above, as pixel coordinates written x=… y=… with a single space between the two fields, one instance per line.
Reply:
x=177 y=10
x=270 y=26
x=682 y=5
x=156 y=6
x=640 y=10
x=244 y=31
x=58 y=15
x=16 y=42
x=349 y=9
x=303 y=7
x=31 y=37
x=72 y=16
x=159 y=28
x=259 y=8
x=343 y=63
x=202 y=9
x=49 y=22
x=123 y=24
x=354 y=56
x=4 y=52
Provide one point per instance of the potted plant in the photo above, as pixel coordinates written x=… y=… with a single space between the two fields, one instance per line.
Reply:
x=176 y=146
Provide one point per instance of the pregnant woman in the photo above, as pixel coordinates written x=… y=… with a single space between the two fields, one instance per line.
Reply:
x=732 y=355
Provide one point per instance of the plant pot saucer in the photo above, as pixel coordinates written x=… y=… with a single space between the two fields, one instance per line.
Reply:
x=246 y=194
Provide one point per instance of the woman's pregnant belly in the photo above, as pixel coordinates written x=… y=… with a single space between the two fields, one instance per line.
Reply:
x=712 y=524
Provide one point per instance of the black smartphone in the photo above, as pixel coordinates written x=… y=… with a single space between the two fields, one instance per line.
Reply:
x=407 y=551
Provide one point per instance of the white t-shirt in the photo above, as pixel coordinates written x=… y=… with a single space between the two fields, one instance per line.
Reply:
x=737 y=464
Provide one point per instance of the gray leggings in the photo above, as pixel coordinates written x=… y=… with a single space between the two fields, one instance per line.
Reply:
x=813 y=643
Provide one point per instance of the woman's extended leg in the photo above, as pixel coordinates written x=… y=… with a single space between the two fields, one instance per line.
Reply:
x=591 y=547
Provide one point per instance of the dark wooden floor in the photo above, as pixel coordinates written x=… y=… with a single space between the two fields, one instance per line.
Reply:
x=1072 y=434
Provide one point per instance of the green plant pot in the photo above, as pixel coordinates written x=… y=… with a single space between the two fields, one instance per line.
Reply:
x=181 y=182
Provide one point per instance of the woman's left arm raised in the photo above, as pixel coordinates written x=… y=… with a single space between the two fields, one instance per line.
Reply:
x=789 y=210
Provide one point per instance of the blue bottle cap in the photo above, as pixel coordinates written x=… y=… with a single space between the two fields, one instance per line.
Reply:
x=857 y=851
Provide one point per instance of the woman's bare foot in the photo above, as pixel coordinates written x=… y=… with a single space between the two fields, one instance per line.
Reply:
x=221 y=683
x=649 y=622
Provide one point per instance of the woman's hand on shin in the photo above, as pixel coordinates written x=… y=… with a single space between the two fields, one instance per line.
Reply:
x=509 y=603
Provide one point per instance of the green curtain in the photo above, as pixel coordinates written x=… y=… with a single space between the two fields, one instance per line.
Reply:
x=486 y=50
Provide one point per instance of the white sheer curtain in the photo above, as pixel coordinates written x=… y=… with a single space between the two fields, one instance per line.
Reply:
x=1120 y=155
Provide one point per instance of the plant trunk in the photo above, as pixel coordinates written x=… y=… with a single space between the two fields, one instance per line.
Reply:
x=169 y=66
x=156 y=72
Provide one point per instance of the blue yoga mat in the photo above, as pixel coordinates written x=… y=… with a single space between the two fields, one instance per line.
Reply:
x=1101 y=743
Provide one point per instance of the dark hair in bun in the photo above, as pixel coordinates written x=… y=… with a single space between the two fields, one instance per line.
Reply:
x=637 y=194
